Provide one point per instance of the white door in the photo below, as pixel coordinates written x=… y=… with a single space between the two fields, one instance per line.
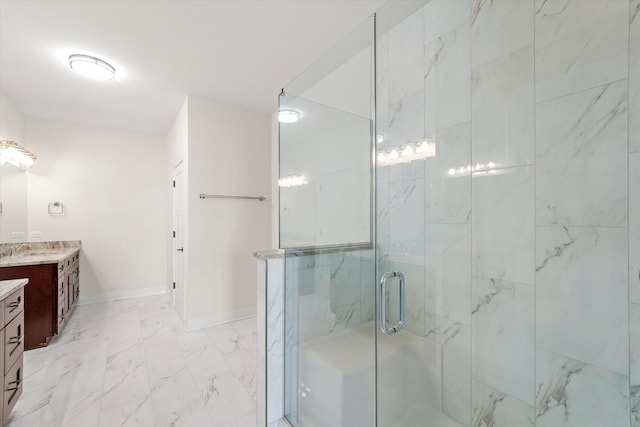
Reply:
x=178 y=240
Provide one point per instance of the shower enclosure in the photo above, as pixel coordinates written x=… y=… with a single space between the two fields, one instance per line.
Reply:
x=460 y=213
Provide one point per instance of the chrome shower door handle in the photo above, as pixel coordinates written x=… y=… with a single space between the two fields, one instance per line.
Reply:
x=383 y=302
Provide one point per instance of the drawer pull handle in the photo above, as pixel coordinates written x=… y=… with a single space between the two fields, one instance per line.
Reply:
x=15 y=386
x=16 y=340
x=15 y=304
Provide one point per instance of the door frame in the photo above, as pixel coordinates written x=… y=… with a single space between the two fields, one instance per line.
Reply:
x=178 y=185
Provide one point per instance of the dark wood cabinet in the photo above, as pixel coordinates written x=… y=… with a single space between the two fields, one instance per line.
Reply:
x=50 y=297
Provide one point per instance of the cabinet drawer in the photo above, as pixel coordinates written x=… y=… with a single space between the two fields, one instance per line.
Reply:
x=13 y=305
x=13 y=386
x=13 y=341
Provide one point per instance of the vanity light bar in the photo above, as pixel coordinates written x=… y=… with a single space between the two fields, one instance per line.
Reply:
x=13 y=153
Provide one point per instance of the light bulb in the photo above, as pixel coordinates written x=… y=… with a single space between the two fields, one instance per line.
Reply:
x=393 y=155
x=452 y=171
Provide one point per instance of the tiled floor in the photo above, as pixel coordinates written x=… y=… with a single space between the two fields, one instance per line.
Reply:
x=131 y=363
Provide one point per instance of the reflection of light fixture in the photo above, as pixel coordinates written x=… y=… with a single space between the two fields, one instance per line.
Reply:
x=13 y=153
x=294 y=180
x=407 y=153
x=379 y=138
x=288 y=116
x=92 y=67
x=478 y=169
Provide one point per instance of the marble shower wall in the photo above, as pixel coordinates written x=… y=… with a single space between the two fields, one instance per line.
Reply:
x=521 y=237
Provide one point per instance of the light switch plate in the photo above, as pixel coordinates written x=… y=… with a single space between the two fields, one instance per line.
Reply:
x=17 y=234
x=35 y=234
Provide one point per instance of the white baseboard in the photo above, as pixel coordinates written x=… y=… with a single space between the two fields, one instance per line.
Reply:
x=219 y=319
x=114 y=296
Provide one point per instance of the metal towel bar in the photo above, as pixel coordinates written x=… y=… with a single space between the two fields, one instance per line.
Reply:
x=220 y=196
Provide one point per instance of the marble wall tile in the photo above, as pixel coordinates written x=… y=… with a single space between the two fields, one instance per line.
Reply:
x=582 y=294
x=274 y=339
x=634 y=368
x=503 y=336
x=406 y=221
x=635 y=405
x=634 y=75
x=634 y=344
x=634 y=228
x=456 y=374
x=492 y=407
x=581 y=158
x=406 y=121
x=406 y=57
x=502 y=103
x=448 y=271
x=447 y=80
x=503 y=225
x=368 y=285
x=382 y=86
x=383 y=207
x=407 y=171
x=442 y=16
x=344 y=279
x=579 y=45
x=447 y=196
x=498 y=28
x=574 y=393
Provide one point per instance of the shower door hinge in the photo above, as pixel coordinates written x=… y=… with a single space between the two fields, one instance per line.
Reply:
x=174 y=184
x=174 y=234
x=174 y=285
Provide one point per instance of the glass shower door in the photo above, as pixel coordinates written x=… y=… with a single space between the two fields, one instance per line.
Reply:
x=423 y=216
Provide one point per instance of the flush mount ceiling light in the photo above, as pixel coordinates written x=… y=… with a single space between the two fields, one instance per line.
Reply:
x=92 y=67
x=288 y=116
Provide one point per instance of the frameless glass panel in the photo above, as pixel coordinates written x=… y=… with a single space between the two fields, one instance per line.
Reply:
x=423 y=245
x=325 y=156
x=329 y=339
x=325 y=221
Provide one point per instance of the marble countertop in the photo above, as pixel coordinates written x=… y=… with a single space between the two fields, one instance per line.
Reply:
x=269 y=254
x=7 y=287
x=38 y=256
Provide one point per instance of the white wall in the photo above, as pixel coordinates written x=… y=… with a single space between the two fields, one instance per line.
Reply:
x=11 y=121
x=13 y=181
x=229 y=153
x=114 y=187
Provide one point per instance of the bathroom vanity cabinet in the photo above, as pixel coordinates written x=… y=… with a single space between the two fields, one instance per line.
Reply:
x=52 y=294
x=11 y=343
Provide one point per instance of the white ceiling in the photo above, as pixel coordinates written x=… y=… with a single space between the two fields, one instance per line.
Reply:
x=233 y=51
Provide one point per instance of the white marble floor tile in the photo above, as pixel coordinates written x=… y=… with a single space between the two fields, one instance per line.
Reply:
x=192 y=416
x=135 y=414
x=131 y=363
x=227 y=399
